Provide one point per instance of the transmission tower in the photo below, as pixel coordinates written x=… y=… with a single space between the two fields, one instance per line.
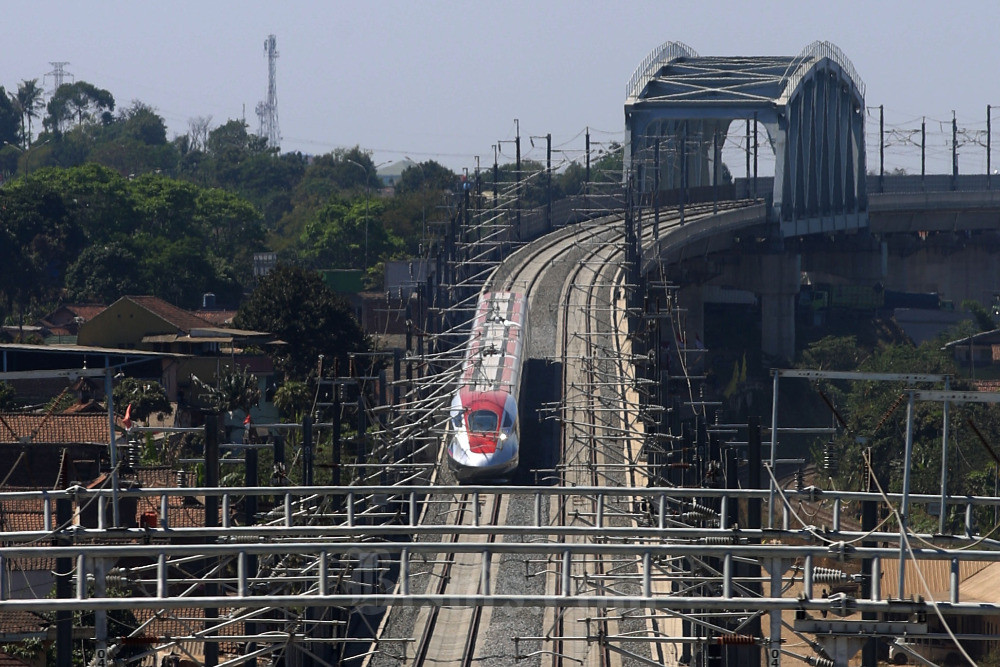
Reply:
x=267 y=111
x=58 y=74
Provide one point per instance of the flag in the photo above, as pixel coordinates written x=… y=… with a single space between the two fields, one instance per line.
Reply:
x=246 y=422
x=127 y=421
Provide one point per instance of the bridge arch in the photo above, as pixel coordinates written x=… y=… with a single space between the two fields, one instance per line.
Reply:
x=679 y=108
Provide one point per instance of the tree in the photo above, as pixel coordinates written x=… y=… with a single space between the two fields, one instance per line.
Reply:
x=345 y=234
x=293 y=398
x=198 y=129
x=38 y=239
x=7 y=396
x=79 y=101
x=141 y=122
x=104 y=273
x=145 y=397
x=296 y=306
x=426 y=175
x=982 y=317
x=237 y=389
x=29 y=102
x=10 y=119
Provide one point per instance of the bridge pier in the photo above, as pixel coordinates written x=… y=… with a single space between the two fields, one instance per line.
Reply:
x=779 y=277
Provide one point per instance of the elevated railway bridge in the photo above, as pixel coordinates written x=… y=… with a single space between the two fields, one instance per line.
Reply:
x=639 y=530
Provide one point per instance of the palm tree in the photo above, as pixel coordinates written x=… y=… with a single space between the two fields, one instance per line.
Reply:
x=28 y=101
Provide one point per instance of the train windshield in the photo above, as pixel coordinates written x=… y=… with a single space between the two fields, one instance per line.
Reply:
x=483 y=421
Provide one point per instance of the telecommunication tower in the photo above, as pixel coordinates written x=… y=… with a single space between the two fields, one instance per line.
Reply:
x=267 y=112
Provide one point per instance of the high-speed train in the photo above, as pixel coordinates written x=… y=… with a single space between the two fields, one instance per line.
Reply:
x=483 y=426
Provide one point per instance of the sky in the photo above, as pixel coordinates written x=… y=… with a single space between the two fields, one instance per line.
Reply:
x=445 y=81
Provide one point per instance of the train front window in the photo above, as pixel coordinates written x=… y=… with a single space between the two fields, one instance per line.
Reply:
x=483 y=421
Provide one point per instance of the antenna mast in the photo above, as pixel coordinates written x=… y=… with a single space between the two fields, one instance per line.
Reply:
x=267 y=112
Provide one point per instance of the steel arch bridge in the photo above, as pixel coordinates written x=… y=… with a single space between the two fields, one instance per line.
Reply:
x=679 y=107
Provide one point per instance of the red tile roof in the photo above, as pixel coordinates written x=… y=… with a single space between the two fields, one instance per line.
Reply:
x=184 y=320
x=54 y=428
x=84 y=311
x=16 y=621
x=220 y=318
x=183 y=622
x=22 y=514
x=182 y=513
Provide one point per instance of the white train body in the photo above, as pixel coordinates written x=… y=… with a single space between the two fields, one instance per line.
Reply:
x=483 y=425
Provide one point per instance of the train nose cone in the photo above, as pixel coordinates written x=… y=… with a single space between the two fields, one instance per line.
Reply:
x=482 y=444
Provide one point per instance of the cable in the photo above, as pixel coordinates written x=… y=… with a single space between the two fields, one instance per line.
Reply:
x=906 y=542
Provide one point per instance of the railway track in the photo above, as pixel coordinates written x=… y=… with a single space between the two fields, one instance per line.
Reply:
x=573 y=279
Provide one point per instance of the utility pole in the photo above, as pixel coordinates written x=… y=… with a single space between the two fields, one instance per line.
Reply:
x=954 y=150
x=989 y=137
x=881 y=148
x=517 y=172
x=548 y=181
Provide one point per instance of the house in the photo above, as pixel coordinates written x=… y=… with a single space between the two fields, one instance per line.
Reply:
x=202 y=348
x=978 y=352
x=391 y=173
x=63 y=323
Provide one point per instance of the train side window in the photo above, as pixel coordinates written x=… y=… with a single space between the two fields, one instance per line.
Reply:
x=456 y=419
x=508 y=420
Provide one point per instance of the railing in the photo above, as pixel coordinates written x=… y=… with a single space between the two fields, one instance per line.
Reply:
x=657 y=58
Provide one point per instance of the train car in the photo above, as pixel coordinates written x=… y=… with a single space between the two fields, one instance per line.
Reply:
x=483 y=426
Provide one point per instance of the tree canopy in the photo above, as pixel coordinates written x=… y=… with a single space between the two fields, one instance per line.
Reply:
x=296 y=306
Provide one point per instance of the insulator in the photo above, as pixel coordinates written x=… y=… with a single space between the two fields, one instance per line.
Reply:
x=827 y=575
x=726 y=539
x=699 y=516
x=821 y=662
x=702 y=511
x=800 y=479
x=737 y=640
x=117 y=580
x=831 y=462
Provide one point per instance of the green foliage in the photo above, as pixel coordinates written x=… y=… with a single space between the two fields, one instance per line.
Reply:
x=38 y=239
x=28 y=101
x=293 y=399
x=80 y=102
x=10 y=119
x=237 y=389
x=428 y=175
x=832 y=353
x=295 y=305
x=876 y=420
x=7 y=396
x=344 y=234
x=145 y=397
x=99 y=236
x=981 y=315
x=103 y=273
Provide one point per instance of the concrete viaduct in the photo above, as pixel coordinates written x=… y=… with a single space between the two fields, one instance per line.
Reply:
x=820 y=214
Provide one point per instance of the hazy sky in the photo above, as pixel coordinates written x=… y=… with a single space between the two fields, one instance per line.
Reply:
x=445 y=80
